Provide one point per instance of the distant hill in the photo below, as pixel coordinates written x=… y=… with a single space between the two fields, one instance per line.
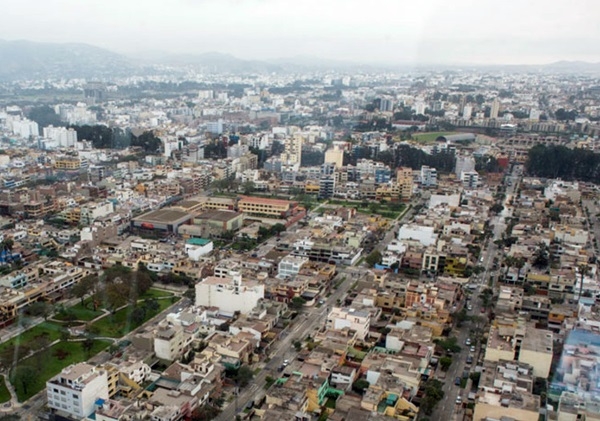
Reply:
x=573 y=66
x=36 y=60
x=211 y=62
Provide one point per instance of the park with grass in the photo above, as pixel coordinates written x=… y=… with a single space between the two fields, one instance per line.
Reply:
x=39 y=353
x=125 y=320
x=4 y=393
x=390 y=210
x=429 y=137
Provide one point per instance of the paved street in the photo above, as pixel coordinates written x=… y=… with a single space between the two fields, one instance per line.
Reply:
x=302 y=327
x=447 y=408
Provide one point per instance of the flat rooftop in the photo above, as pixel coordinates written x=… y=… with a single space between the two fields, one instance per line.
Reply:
x=163 y=216
x=219 y=215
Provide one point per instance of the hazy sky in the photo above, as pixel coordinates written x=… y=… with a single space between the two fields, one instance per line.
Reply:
x=394 y=31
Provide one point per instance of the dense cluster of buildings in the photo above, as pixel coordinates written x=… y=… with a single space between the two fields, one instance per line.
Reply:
x=224 y=203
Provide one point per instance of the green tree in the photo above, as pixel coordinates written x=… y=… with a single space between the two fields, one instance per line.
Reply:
x=373 y=258
x=449 y=344
x=541 y=258
x=87 y=345
x=496 y=208
x=7 y=245
x=205 y=412
x=45 y=116
x=297 y=346
x=23 y=377
x=248 y=187
x=297 y=303
x=244 y=376
x=86 y=285
x=360 y=385
x=40 y=309
x=445 y=363
x=137 y=316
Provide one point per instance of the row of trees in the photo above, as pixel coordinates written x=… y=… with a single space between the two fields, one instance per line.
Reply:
x=103 y=137
x=405 y=156
x=562 y=162
x=119 y=286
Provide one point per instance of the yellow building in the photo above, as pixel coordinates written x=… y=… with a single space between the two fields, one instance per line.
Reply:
x=387 y=192
x=67 y=163
x=404 y=180
x=311 y=188
x=262 y=206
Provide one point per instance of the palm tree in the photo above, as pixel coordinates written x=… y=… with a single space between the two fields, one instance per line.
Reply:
x=519 y=262
x=509 y=261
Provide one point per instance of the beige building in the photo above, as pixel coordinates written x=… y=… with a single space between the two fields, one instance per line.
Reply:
x=404 y=179
x=536 y=350
x=335 y=156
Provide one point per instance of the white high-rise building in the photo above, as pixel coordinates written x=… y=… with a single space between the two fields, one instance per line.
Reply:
x=76 y=388
x=25 y=128
x=64 y=138
x=419 y=108
x=467 y=112
x=215 y=127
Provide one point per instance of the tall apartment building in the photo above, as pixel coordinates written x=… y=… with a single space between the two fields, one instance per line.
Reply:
x=495 y=109
x=75 y=390
x=293 y=149
x=404 y=179
x=326 y=187
x=64 y=138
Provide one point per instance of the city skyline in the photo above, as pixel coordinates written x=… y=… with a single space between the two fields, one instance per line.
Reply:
x=377 y=32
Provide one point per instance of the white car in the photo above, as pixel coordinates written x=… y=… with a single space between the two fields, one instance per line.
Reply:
x=472 y=348
x=468 y=341
x=458 y=400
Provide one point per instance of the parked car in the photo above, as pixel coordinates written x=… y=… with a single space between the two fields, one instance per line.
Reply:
x=472 y=348
x=457 y=381
x=458 y=400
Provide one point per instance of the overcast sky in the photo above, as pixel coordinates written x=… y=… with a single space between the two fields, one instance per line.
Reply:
x=376 y=31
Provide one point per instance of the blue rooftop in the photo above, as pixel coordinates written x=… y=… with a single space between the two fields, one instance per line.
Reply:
x=198 y=241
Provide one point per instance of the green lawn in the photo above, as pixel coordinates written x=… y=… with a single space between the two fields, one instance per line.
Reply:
x=80 y=311
x=120 y=323
x=156 y=293
x=429 y=137
x=49 y=363
x=4 y=393
x=44 y=333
